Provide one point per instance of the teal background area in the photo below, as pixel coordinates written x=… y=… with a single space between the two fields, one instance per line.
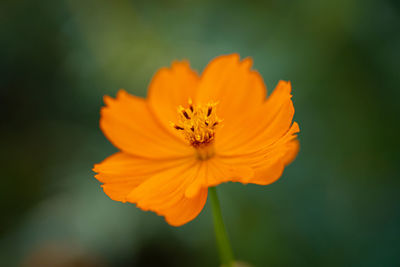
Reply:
x=337 y=204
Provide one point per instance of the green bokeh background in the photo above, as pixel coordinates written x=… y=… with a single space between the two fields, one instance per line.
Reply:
x=336 y=205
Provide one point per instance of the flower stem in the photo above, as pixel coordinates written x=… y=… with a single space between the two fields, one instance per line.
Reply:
x=224 y=247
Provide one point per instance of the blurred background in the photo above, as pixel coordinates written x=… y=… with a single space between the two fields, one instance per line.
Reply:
x=336 y=205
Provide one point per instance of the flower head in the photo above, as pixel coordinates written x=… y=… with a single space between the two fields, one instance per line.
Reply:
x=193 y=132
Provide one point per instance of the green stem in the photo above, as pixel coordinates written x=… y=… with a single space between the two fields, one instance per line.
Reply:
x=224 y=247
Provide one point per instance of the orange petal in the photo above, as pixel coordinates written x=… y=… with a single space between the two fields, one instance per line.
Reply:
x=164 y=193
x=264 y=126
x=170 y=88
x=238 y=89
x=121 y=173
x=218 y=170
x=272 y=169
x=269 y=161
x=128 y=123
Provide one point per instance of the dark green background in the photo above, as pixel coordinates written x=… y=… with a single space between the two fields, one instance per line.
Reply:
x=336 y=205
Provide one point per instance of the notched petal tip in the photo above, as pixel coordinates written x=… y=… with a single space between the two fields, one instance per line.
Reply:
x=95 y=168
x=122 y=93
x=247 y=62
x=108 y=100
x=179 y=63
x=285 y=83
x=234 y=58
x=177 y=67
x=296 y=128
x=284 y=87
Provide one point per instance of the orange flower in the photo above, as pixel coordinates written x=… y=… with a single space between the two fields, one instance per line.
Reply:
x=194 y=132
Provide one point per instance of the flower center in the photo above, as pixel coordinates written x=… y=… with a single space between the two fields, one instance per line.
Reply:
x=198 y=124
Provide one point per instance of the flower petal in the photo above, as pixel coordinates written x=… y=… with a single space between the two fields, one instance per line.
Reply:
x=128 y=123
x=219 y=170
x=122 y=172
x=164 y=193
x=170 y=88
x=269 y=161
x=272 y=167
x=264 y=126
x=238 y=89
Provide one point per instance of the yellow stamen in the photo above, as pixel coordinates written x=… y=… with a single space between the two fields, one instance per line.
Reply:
x=198 y=123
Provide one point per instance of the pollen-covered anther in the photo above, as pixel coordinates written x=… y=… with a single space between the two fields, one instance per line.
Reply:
x=198 y=123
